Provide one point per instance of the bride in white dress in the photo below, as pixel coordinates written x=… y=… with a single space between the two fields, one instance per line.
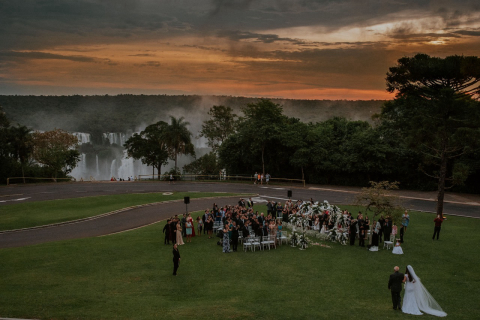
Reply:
x=417 y=298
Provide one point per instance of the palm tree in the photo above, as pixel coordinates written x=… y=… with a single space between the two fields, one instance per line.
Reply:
x=179 y=139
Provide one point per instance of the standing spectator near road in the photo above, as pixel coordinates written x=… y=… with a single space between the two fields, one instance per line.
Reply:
x=267 y=178
x=255 y=178
x=438 y=225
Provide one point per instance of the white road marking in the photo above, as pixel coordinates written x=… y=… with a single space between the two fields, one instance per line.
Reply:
x=277 y=198
x=21 y=199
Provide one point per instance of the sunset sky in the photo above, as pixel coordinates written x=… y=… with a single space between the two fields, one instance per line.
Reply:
x=273 y=48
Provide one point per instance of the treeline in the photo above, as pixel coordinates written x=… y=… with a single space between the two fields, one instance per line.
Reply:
x=24 y=153
x=336 y=151
x=129 y=113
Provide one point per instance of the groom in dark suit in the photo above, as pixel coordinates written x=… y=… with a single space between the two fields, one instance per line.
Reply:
x=395 y=286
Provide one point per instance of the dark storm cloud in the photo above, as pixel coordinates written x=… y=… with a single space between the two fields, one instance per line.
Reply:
x=142 y=55
x=34 y=55
x=264 y=38
x=473 y=33
x=155 y=64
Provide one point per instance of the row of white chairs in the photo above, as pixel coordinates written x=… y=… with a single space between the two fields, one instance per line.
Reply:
x=261 y=242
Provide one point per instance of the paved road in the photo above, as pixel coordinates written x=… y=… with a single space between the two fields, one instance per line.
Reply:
x=143 y=216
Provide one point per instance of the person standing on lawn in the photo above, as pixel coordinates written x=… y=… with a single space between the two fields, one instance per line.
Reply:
x=395 y=286
x=166 y=230
x=176 y=259
x=438 y=225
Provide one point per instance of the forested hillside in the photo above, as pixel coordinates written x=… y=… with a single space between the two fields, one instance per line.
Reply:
x=123 y=113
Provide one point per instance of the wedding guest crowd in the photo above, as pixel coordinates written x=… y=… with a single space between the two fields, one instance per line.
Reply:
x=241 y=221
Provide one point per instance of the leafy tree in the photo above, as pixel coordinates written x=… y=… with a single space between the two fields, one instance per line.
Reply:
x=205 y=165
x=150 y=146
x=179 y=139
x=435 y=111
x=4 y=133
x=222 y=124
x=379 y=199
x=21 y=142
x=56 y=150
x=261 y=125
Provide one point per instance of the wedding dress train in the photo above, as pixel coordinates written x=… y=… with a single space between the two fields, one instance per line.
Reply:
x=418 y=299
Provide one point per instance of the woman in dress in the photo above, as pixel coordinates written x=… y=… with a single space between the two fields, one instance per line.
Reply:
x=209 y=226
x=375 y=232
x=316 y=224
x=417 y=298
x=179 y=234
x=188 y=230
x=189 y=218
x=397 y=249
x=324 y=227
x=199 y=225
x=226 y=239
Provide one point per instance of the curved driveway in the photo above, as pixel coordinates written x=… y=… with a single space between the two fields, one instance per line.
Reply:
x=464 y=205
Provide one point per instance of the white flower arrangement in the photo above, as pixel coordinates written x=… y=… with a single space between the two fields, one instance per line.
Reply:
x=307 y=210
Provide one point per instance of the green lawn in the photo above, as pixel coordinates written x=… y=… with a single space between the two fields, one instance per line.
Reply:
x=129 y=276
x=32 y=214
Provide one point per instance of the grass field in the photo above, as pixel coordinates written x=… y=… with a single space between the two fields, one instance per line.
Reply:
x=32 y=214
x=129 y=276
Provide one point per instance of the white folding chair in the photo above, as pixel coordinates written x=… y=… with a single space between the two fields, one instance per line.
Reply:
x=388 y=244
x=256 y=243
x=283 y=237
x=248 y=244
x=265 y=242
x=272 y=241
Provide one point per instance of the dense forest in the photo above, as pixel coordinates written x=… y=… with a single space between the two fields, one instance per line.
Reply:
x=352 y=148
x=124 y=113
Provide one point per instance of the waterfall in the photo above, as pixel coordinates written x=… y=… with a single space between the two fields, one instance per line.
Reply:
x=113 y=168
x=126 y=168
x=98 y=171
x=82 y=137
x=80 y=171
x=115 y=137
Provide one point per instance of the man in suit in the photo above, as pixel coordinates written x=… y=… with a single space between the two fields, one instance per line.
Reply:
x=183 y=223
x=166 y=230
x=269 y=207
x=387 y=229
x=395 y=286
x=204 y=218
x=176 y=259
x=353 y=231
x=173 y=229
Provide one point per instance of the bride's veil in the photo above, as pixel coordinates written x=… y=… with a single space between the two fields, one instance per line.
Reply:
x=425 y=301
